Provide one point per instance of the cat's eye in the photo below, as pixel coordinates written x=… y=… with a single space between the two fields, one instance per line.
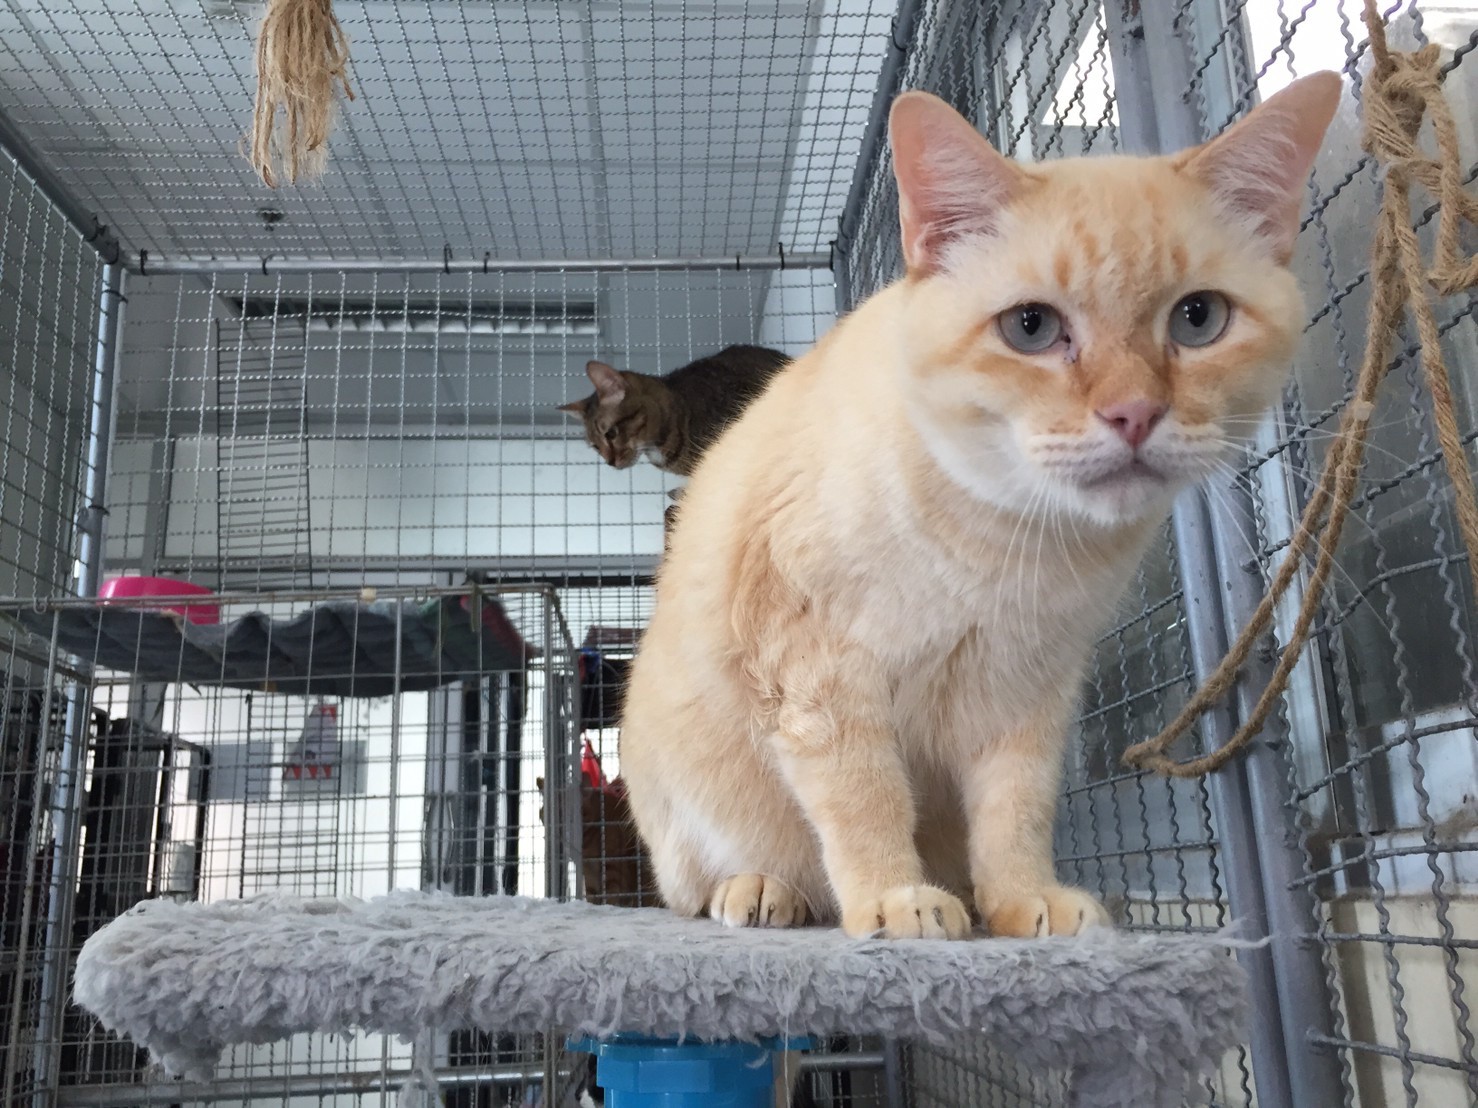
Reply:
x=1030 y=328
x=1199 y=319
x=610 y=434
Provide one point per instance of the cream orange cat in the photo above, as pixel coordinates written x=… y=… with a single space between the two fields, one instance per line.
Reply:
x=854 y=696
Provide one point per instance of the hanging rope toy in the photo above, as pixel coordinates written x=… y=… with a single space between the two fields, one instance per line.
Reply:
x=1402 y=90
x=302 y=56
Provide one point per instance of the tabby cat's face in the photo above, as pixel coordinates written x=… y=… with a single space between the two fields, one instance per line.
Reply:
x=617 y=430
x=1113 y=327
x=619 y=417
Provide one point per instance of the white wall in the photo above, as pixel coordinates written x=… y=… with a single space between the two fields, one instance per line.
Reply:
x=434 y=495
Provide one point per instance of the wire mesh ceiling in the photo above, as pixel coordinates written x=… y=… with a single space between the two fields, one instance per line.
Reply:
x=540 y=130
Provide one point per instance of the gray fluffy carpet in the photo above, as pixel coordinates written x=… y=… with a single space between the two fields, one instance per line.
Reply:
x=1136 y=1020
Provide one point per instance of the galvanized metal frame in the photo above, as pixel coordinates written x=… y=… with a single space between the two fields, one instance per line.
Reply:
x=66 y=798
x=890 y=83
x=98 y=235
x=1153 y=66
x=1165 y=98
x=270 y=265
x=557 y=697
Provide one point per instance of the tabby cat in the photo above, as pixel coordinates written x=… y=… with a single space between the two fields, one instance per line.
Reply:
x=853 y=699
x=672 y=419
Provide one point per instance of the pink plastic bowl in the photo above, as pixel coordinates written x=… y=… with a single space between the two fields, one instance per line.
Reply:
x=132 y=588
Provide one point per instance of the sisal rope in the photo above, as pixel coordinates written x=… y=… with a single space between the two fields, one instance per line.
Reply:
x=302 y=56
x=1402 y=90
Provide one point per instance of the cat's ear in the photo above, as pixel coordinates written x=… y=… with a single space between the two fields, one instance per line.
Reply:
x=951 y=183
x=610 y=386
x=574 y=407
x=1258 y=167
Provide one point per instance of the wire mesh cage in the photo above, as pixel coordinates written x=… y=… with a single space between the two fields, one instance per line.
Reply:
x=1377 y=743
x=1369 y=771
x=335 y=408
x=321 y=743
x=350 y=437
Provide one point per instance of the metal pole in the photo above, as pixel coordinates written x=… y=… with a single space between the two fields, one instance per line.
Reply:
x=1134 y=80
x=1231 y=803
x=554 y=769
x=555 y=761
x=67 y=796
x=100 y=429
x=1155 y=73
x=1304 y=1004
x=843 y=285
x=296 y=1085
x=272 y=264
x=30 y=896
x=893 y=1084
x=396 y=711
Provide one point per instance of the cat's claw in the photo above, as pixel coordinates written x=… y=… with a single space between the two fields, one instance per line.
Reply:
x=757 y=900
x=1058 y=910
x=909 y=912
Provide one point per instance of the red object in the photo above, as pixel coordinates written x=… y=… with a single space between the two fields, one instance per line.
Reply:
x=496 y=621
x=317 y=747
x=134 y=588
x=590 y=767
x=314 y=772
x=591 y=771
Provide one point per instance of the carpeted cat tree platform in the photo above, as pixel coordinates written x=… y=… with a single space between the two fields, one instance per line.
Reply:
x=1136 y=1020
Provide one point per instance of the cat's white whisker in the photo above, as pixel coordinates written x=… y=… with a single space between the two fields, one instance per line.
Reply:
x=1252 y=549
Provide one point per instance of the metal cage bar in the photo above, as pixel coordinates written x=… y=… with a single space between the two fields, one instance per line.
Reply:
x=1261 y=856
x=66 y=802
x=1340 y=837
x=271 y=264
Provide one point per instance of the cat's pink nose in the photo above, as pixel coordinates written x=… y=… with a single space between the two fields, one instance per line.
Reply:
x=1133 y=420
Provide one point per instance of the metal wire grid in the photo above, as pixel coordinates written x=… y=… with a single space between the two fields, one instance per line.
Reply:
x=49 y=284
x=1037 y=80
x=31 y=729
x=203 y=792
x=1379 y=759
x=1356 y=806
x=605 y=622
x=401 y=427
x=532 y=130
x=974 y=1073
x=425 y=409
x=864 y=1086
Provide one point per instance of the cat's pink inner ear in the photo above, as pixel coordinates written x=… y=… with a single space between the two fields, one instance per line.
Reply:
x=951 y=183
x=1257 y=169
x=610 y=386
x=574 y=407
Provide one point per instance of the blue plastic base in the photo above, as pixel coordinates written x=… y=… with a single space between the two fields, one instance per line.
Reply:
x=638 y=1072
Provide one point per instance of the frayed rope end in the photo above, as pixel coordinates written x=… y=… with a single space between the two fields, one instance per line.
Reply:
x=302 y=61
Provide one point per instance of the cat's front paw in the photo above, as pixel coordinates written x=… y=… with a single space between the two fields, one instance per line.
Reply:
x=909 y=912
x=1055 y=910
x=756 y=900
